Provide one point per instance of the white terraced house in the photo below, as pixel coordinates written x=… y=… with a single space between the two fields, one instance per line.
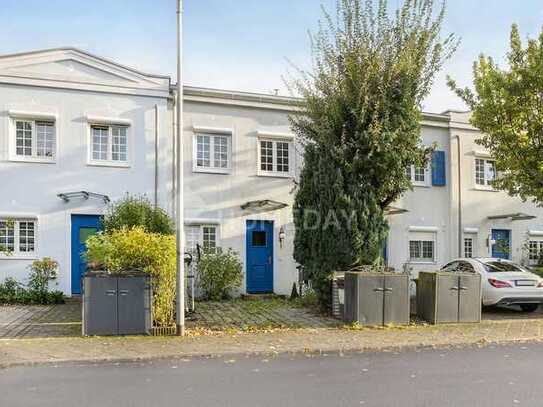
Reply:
x=78 y=131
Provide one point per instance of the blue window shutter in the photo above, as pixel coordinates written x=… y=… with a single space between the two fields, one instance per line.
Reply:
x=438 y=169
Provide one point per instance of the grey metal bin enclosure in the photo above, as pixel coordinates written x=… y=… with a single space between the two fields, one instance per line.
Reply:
x=376 y=298
x=117 y=304
x=449 y=297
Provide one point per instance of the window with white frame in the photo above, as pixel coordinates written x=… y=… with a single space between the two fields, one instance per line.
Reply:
x=212 y=152
x=422 y=247
x=418 y=175
x=109 y=143
x=34 y=139
x=469 y=246
x=204 y=236
x=274 y=157
x=17 y=237
x=485 y=172
x=535 y=250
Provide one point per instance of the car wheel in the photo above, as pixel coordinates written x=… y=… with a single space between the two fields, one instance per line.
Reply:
x=529 y=307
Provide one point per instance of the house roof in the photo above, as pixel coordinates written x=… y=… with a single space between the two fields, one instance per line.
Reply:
x=72 y=68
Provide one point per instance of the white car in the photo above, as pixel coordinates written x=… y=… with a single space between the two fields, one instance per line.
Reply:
x=503 y=282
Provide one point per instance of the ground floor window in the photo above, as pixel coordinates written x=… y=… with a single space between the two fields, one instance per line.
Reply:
x=203 y=237
x=470 y=246
x=422 y=244
x=422 y=250
x=17 y=236
x=535 y=249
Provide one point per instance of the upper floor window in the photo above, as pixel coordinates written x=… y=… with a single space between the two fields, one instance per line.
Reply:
x=212 y=153
x=418 y=175
x=34 y=139
x=17 y=237
x=109 y=143
x=485 y=172
x=274 y=157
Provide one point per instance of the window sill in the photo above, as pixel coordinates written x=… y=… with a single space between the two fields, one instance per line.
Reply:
x=484 y=188
x=274 y=174
x=18 y=257
x=222 y=171
x=421 y=262
x=421 y=185
x=33 y=160
x=95 y=163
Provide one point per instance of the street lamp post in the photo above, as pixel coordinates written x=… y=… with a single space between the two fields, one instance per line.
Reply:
x=180 y=243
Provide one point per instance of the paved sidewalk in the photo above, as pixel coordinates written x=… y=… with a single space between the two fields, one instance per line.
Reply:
x=269 y=344
x=33 y=321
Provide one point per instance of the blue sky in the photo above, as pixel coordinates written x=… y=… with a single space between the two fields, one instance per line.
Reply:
x=238 y=44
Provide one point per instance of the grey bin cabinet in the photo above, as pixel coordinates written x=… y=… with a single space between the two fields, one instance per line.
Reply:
x=117 y=304
x=449 y=297
x=376 y=298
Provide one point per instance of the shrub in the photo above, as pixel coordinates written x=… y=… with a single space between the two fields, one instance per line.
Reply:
x=10 y=290
x=135 y=211
x=219 y=273
x=136 y=249
x=42 y=272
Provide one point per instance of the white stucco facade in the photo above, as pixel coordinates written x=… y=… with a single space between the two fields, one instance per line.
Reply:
x=224 y=157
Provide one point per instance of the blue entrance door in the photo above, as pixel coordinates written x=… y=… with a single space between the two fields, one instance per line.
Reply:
x=501 y=248
x=259 y=243
x=83 y=227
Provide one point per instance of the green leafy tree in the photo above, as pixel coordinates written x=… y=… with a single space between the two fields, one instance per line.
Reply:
x=507 y=106
x=133 y=211
x=359 y=122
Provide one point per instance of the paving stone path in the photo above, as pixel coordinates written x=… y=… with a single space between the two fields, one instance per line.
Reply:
x=249 y=314
x=24 y=321
x=64 y=320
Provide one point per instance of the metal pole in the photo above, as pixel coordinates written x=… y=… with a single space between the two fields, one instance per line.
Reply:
x=180 y=278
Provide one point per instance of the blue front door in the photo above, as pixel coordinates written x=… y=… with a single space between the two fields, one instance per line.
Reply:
x=501 y=248
x=83 y=226
x=259 y=241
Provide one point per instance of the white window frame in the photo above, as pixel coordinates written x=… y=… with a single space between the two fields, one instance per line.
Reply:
x=32 y=118
x=17 y=254
x=426 y=182
x=274 y=140
x=212 y=134
x=487 y=186
x=109 y=162
x=537 y=240
x=200 y=231
x=474 y=246
x=422 y=234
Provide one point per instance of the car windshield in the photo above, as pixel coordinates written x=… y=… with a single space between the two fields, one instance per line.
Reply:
x=502 y=267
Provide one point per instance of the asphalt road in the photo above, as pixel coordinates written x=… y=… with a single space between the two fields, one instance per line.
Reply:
x=492 y=376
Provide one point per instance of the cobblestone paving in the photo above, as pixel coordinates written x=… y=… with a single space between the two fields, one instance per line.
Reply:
x=245 y=314
x=65 y=320
x=23 y=321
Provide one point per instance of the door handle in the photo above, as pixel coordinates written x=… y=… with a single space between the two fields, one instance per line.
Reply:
x=379 y=290
x=269 y=259
x=111 y=292
x=124 y=292
x=455 y=288
x=387 y=290
x=463 y=288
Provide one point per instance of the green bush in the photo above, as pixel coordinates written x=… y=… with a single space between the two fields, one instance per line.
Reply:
x=132 y=249
x=37 y=291
x=219 y=273
x=133 y=211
